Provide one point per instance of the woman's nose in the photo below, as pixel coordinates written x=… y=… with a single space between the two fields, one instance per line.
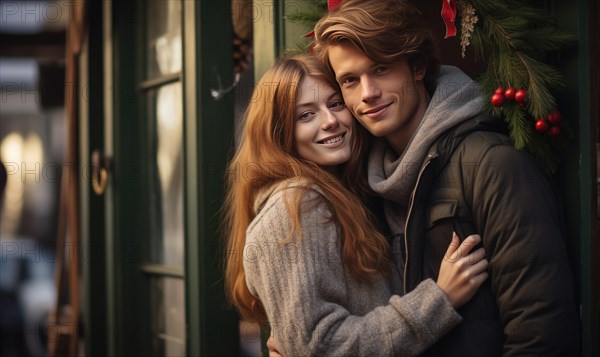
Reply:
x=330 y=121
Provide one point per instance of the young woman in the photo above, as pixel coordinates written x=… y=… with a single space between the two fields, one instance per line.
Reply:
x=303 y=253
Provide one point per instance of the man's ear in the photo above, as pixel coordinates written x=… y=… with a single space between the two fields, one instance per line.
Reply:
x=420 y=72
x=419 y=69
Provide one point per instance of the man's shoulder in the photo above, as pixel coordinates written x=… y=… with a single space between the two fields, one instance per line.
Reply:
x=494 y=153
x=483 y=139
x=472 y=145
x=476 y=133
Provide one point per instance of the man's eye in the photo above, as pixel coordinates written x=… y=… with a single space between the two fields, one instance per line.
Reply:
x=348 y=80
x=380 y=69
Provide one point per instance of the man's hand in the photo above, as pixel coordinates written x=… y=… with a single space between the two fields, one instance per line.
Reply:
x=272 y=346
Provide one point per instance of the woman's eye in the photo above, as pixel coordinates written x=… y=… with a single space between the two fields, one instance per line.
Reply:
x=338 y=104
x=305 y=116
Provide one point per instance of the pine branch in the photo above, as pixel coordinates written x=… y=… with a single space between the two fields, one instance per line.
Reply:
x=308 y=20
x=546 y=39
x=299 y=48
x=541 y=149
x=520 y=127
x=308 y=13
x=514 y=39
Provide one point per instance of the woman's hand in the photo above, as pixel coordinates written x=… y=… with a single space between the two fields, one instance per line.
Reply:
x=462 y=272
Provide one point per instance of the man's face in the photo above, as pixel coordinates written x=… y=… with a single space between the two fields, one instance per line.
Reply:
x=389 y=100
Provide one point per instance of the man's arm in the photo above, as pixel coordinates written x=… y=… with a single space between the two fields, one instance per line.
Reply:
x=516 y=211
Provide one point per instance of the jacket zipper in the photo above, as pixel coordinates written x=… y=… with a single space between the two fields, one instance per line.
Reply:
x=430 y=157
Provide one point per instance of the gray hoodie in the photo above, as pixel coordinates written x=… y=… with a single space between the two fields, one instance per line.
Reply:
x=456 y=98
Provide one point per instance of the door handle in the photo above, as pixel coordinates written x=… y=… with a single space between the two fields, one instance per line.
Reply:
x=100 y=168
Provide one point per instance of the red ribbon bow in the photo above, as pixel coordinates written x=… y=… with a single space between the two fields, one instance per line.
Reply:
x=331 y=5
x=449 y=16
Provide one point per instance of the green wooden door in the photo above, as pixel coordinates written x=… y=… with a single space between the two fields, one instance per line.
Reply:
x=168 y=141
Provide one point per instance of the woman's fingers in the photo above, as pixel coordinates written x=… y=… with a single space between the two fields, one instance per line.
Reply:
x=451 y=252
x=476 y=256
x=272 y=346
x=457 y=250
x=468 y=244
x=478 y=279
x=478 y=267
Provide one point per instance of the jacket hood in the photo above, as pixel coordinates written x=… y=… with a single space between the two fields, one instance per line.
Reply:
x=449 y=141
x=457 y=98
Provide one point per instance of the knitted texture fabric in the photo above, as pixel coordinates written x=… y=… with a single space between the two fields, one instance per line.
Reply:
x=314 y=305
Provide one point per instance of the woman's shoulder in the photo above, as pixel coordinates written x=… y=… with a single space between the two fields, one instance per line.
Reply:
x=272 y=205
x=279 y=192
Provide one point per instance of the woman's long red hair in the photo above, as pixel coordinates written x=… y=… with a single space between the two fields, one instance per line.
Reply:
x=267 y=156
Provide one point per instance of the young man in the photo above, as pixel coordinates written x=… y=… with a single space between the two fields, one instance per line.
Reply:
x=443 y=165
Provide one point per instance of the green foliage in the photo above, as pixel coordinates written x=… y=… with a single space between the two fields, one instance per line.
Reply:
x=311 y=12
x=514 y=38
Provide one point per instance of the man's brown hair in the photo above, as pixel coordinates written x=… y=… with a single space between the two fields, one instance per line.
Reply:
x=386 y=31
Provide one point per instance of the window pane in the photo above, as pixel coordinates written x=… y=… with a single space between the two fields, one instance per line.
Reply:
x=168 y=316
x=166 y=176
x=163 y=35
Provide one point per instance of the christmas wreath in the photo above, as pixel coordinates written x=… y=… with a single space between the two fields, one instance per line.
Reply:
x=514 y=38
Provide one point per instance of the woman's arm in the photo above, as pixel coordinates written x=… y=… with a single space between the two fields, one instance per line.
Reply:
x=305 y=290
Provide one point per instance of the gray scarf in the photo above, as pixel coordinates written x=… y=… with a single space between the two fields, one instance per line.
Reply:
x=456 y=99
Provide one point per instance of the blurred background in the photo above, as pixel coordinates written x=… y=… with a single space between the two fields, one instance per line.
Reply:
x=32 y=148
x=117 y=119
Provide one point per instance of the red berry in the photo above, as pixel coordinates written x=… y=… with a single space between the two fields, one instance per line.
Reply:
x=541 y=125
x=557 y=115
x=509 y=93
x=554 y=117
x=521 y=95
x=497 y=99
x=554 y=131
x=499 y=90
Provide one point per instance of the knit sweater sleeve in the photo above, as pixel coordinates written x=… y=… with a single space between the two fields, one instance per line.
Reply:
x=304 y=289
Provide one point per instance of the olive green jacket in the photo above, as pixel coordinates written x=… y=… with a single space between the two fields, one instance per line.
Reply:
x=473 y=180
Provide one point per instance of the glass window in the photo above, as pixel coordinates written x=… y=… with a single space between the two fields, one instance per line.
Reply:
x=166 y=175
x=163 y=38
x=167 y=301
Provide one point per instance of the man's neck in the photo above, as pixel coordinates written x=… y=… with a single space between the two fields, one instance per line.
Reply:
x=400 y=139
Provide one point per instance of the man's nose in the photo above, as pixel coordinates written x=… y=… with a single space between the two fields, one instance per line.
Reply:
x=369 y=90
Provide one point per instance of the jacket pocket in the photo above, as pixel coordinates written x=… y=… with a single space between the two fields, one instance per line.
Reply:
x=439 y=211
x=438 y=221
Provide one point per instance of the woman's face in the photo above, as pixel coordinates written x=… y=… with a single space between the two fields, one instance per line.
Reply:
x=323 y=124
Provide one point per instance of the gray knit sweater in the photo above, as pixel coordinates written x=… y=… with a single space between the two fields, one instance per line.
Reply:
x=314 y=305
